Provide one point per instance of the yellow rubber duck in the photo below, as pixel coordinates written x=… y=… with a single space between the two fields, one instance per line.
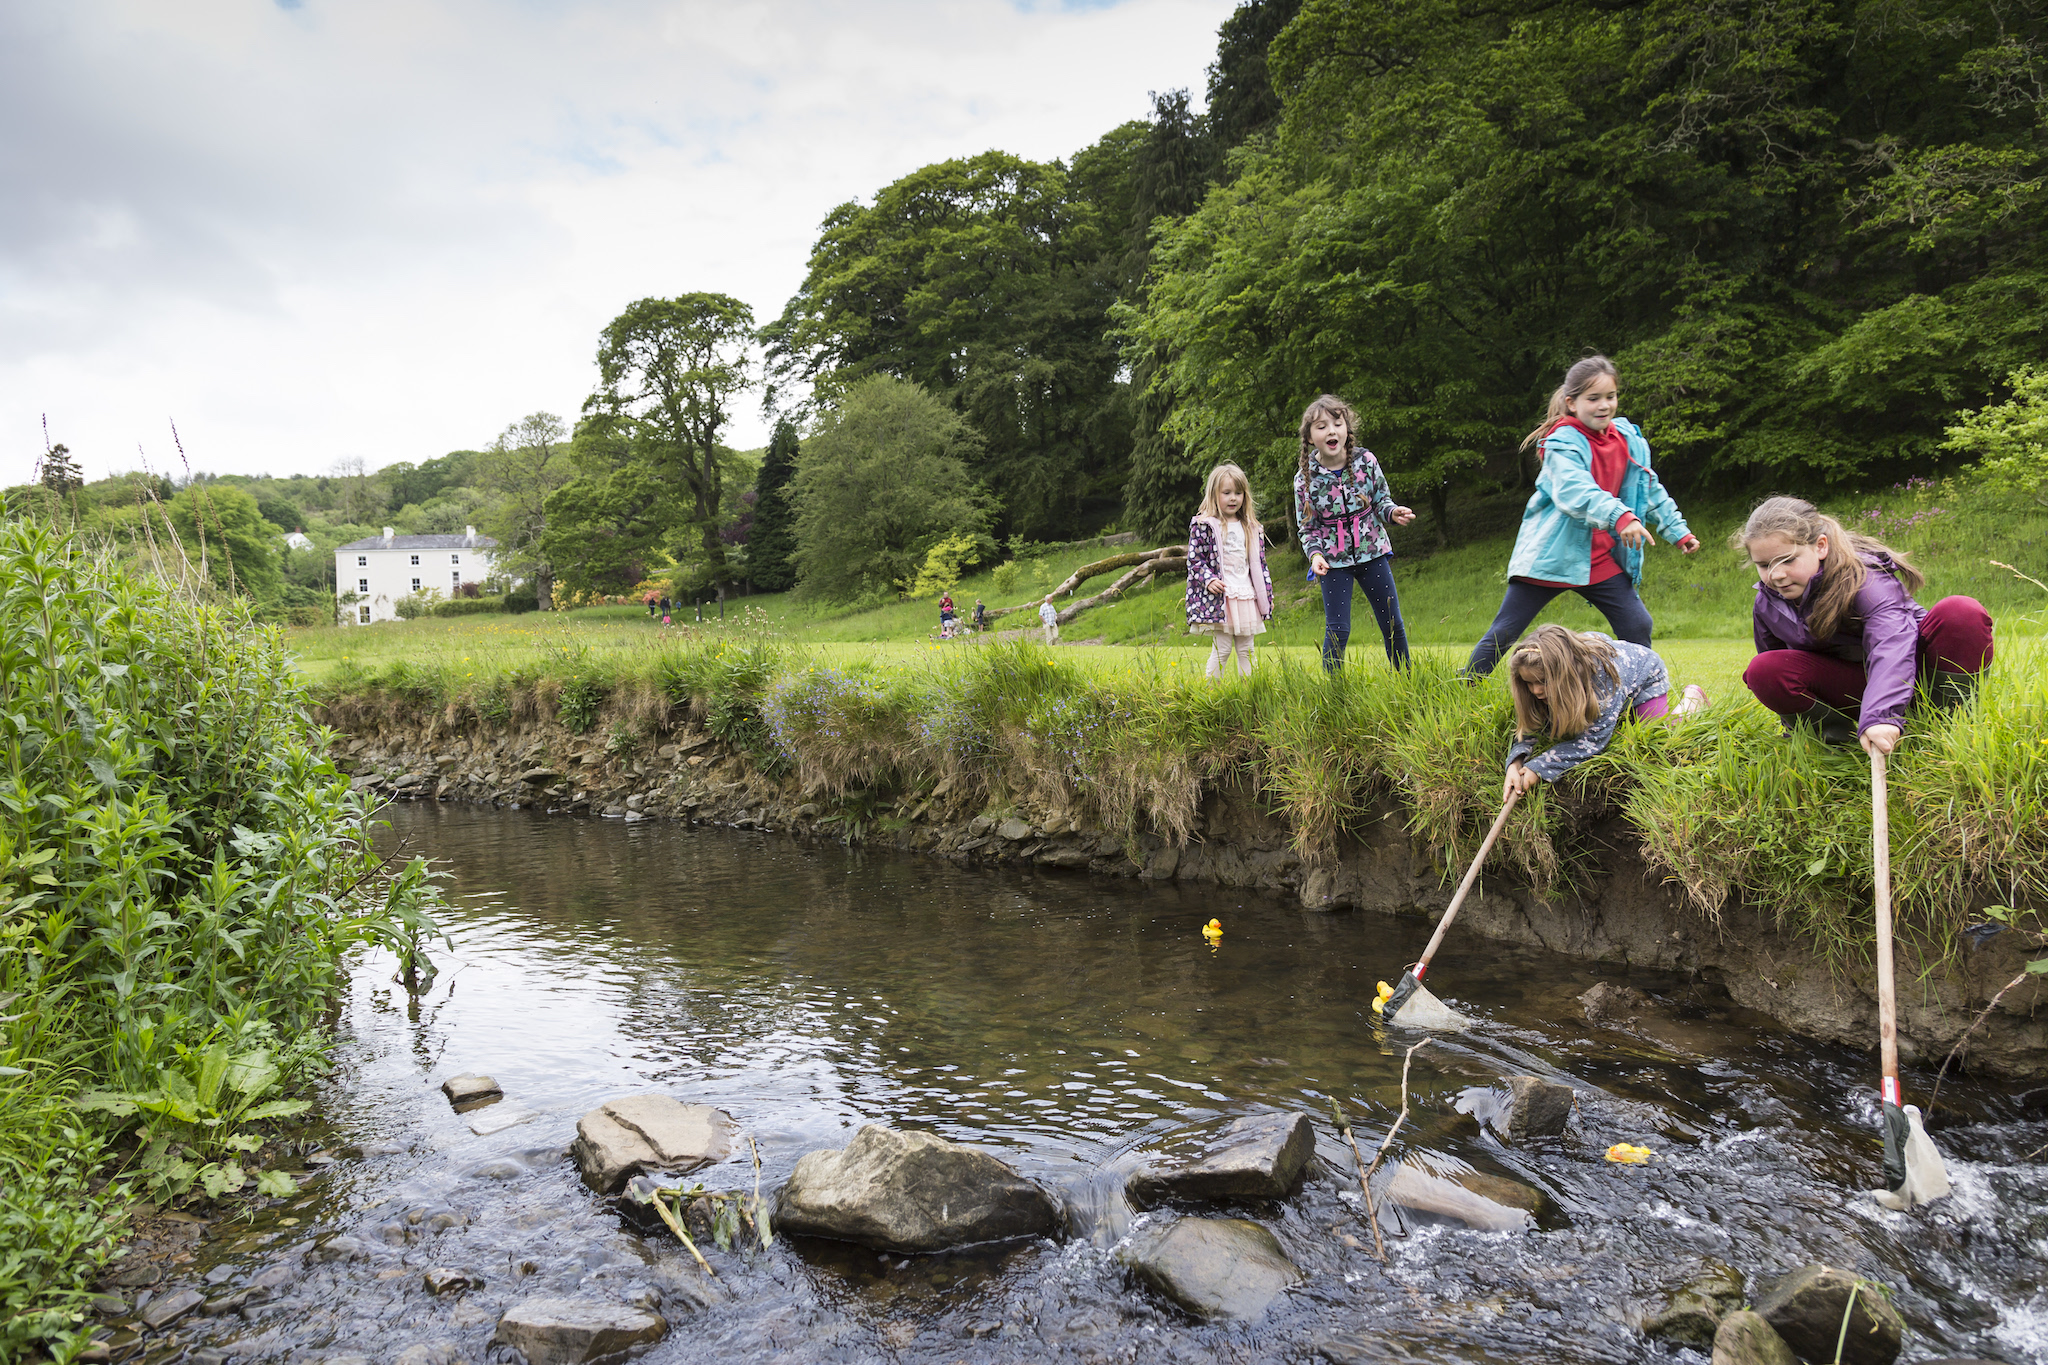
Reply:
x=1379 y=1002
x=1213 y=930
x=1621 y=1153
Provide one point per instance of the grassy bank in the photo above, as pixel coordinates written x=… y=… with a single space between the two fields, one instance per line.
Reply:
x=181 y=873
x=1131 y=738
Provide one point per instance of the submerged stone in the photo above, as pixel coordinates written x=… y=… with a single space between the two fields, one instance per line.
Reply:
x=168 y=1308
x=1807 y=1306
x=911 y=1192
x=1214 y=1267
x=1692 y=1315
x=1536 y=1107
x=1744 y=1338
x=1259 y=1156
x=1499 y=1205
x=572 y=1331
x=619 y=1140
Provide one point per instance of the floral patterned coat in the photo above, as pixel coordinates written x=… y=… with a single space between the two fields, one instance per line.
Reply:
x=1342 y=513
x=1205 y=561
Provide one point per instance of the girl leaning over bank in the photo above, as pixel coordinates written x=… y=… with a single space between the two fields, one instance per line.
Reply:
x=1840 y=641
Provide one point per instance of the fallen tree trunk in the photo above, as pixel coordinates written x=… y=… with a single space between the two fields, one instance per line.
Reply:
x=1148 y=563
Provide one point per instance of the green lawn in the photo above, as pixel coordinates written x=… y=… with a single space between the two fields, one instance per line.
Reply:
x=1701 y=603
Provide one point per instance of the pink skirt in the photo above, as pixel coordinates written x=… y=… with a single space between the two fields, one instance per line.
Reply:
x=1240 y=617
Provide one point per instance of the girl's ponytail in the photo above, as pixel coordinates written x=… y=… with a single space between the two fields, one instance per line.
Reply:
x=1577 y=380
x=1800 y=522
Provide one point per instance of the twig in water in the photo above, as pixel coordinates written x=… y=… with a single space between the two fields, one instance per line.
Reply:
x=1399 y=1119
x=1372 y=1215
x=675 y=1225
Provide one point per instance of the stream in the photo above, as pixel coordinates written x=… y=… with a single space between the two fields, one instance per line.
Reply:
x=1070 y=1026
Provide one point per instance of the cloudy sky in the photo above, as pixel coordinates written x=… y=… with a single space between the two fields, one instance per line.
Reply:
x=314 y=229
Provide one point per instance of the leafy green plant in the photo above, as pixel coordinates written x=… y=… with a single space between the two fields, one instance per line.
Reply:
x=622 y=739
x=581 y=700
x=195 y=1133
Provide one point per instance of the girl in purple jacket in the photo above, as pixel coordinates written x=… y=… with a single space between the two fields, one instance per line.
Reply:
x=1840 y=641
x=1230 y=591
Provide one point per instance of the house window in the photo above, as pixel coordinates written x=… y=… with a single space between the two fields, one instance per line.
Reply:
x=454 y=559
x=415 y=585
x=363 y=585
x=415 y=560
x=363 y=615
x=362 y=561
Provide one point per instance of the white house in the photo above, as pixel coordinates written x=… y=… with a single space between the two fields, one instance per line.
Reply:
x=384 y=568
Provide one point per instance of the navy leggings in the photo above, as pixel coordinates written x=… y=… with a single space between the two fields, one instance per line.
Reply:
x=1375 y=578
x=1615 y=597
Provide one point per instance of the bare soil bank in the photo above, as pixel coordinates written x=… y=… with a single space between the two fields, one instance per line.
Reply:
x=1617 y=912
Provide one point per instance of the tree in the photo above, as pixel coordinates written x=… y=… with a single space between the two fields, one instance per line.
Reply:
x=224 y=535
x=987 y=281
x=772 y=545
x=668 y=371
x=526 y=464
x=58 y=472
x=882 y=479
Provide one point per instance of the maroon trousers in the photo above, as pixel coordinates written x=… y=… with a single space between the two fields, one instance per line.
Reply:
x=1955 y=637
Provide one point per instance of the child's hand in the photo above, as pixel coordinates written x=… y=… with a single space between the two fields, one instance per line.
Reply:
x=1215 y=585
x=1520 y=779
x=1403 y=515
x=1319 y=564
x=1880 y=739
x=1635 y=535
x=1689 y=544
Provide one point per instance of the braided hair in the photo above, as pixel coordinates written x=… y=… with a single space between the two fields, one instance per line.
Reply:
x=1329 y=405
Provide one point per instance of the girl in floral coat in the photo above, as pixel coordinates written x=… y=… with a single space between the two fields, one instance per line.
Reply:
x=1230 y=590
x=1342 y=505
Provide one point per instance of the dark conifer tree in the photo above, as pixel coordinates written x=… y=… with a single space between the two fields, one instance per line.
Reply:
x=773 y=539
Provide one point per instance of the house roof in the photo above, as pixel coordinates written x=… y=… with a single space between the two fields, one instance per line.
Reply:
x=450 y=542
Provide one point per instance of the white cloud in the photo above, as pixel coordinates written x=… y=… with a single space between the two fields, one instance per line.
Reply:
x=390 y=227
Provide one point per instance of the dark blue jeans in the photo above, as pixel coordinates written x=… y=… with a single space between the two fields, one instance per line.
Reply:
x=1375 y=578
x=1615 y=598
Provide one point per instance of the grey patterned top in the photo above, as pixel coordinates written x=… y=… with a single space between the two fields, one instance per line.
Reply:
x=1643 y=678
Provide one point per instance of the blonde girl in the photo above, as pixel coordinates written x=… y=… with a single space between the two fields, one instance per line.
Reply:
x=1574 y=688
x=1342 y=506
x=1589 y=520
x=1840 y=641
x=1230 y=590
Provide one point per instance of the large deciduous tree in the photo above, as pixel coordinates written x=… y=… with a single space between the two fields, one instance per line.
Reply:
x=883 y=478
x=668 y=373
x=987 y=281
x=520 y=470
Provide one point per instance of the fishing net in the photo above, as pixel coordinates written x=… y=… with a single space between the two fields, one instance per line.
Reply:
x=1913 y=1170
x=1413 y=1006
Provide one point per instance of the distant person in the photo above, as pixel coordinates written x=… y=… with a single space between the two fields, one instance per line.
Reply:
x=664 y=604
x=947 y=616
x=1230 y=590
x=650 y=605
x=1575 y=688
x=1049 y=617
x=1840 y=641
x=1341 y=505
x=980 y=615
x=1583 y=530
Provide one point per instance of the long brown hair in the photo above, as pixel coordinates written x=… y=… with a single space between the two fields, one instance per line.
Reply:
x=1800 y=522
x=1328 y=405
x=1571 y=665
x=1577 y=380
x=1220 y=479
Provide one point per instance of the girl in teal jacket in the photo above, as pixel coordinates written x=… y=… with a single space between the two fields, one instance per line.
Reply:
x=1588 y=521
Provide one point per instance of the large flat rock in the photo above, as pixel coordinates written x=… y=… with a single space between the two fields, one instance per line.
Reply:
x=619 y=1140
x=1214 y=1267
x=1806 y=1308
x=911 y=1192
x=1260 y=1156
x=572 y=1331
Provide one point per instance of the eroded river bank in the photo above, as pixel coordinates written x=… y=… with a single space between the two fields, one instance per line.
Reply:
x=1071 y=1026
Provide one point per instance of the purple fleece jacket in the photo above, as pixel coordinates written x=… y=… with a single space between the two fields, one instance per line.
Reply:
x=1880 y=631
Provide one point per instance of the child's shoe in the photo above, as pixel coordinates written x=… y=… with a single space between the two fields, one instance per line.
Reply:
x=1692 y=700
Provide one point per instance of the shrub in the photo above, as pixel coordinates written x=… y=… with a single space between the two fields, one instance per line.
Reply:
x=516 y=602
x=582 y=698
x=467 y=606
x=415 y=605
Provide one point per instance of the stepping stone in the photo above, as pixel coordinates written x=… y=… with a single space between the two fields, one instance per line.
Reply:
x=1214 y=1267
x=465 y=1091
x=572 y=1331
x=619 y=1140
x=906 y=1191
x=1259 y=1156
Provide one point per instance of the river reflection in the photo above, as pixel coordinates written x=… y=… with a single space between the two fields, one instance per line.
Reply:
x=1067 y=1024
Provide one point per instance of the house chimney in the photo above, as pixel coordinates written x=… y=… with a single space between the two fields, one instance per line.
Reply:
x=388 y=533
x=469 y=535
